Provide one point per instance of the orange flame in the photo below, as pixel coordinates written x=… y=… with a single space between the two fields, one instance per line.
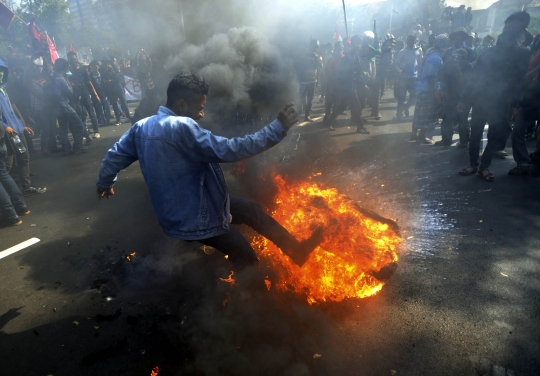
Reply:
x=354 y=248
x=155 y=371
x=229 y=279
x=130 y=256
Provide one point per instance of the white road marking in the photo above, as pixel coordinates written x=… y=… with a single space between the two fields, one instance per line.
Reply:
x=18 y=247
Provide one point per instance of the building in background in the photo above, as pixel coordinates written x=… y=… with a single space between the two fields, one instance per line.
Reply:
x=491 y=20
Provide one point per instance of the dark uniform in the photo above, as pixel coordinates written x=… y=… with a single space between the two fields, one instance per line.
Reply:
x=308 y=68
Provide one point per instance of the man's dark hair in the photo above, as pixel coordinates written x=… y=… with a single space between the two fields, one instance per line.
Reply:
x=61 y=65
x=186 y=86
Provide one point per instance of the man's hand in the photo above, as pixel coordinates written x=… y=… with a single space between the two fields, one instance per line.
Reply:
x=29 y=130
x=288 y=116
x=105 y=193
x=10 y=131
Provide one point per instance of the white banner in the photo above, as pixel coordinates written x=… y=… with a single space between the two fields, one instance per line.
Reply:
x=132 y=90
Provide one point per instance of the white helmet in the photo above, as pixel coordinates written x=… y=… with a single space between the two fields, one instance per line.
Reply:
x=368 y=34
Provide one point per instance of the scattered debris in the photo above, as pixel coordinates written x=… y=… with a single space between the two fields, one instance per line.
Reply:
x=97 y=327
x=20 y=267
x=504 y=275
x=75 y=323
x=317 y=356
x=33 y=225
x=230 y=279
x=109 y=298
x=207 y=249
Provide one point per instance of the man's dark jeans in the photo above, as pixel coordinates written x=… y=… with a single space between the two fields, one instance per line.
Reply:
x=452 y=116
x=23 y=162
x=116 y=93
x=89 y=107
x=306 y=93
x=497 y=116
x=48 y=128
x=232 y=243
x=11 y=197
x=404 y=85
x=70 y=121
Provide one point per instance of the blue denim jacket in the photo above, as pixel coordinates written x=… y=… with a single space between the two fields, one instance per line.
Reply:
x=179 y=161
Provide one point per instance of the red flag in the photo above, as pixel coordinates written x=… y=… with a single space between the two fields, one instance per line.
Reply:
x=6 y=16
x=72 y=49
x=337 y=36
x=52 y=50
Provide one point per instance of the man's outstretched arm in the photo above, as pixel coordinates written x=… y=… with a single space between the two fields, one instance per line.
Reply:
x=120 y=156
x=214 y=149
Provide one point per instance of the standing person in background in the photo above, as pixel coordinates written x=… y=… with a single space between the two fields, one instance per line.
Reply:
x=114 y=89
x=97 y=82
x=82 y=89
x=458 y=39
x=330 y=78
x=308 y=68
x=33 y=80
x=67 y=116
x=385 y=62
x=528 y=114
x=458 y=18
x=495 y=92
x=144 y=72
x=15 y=129
x=468 y=17
x=429 y=92
x=12 y=203
x=407 y=62
x=455 y=73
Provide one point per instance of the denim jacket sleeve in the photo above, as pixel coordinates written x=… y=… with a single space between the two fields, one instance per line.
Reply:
x=120 y=156
x=210 y=148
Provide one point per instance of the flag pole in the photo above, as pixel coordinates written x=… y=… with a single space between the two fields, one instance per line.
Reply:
x=345 y=16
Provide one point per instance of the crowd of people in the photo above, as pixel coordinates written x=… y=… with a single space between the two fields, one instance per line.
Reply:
x=455 y=80
x=48 y=100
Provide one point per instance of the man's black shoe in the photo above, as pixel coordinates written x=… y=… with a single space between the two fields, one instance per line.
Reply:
x=23 y=211
x=307 y=246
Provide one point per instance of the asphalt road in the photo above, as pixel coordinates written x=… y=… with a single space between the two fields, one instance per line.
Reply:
x=463 y=301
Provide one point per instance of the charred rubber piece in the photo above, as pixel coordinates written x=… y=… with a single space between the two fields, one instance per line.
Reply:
x=385 y=273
